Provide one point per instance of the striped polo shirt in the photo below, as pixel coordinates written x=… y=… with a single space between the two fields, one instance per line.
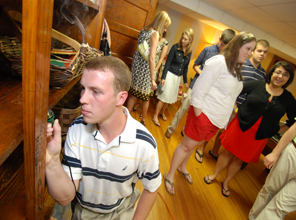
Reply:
x=108 y=172
x=250 y=73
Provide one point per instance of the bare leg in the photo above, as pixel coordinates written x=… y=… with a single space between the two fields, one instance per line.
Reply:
x=217 y=143
x=186 y=146
x=222 y=162
x=201 y=150
x=165 y=105
x=182 y=167
x=131 y=102
x=233 y=168
x=157 y=110
x=137 y=105
x=145 y=106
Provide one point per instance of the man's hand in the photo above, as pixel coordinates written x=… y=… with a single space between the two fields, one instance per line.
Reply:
x=270 y=160
x=53 y=142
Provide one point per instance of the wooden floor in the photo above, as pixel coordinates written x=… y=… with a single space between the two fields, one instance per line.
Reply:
x=201 y=201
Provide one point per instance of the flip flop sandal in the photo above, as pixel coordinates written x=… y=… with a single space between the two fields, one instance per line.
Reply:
x=163 y=117
x=185 y=176
x=143 y=123
x=169 y=182
x=140 y=117
x=200 y=155
x=136 y=108
x=210 y=152
x=207 y=179
x=156 y=122
x=225 y=191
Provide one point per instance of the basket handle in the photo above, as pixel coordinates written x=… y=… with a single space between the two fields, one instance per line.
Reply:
x=9 y=16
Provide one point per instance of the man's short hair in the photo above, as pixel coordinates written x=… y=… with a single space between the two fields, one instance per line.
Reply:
x=121 y=72
x=227 y=35
x=262 y=42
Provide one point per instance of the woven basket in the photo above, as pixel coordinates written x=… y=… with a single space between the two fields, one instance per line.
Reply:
x=67 y=109
x=59 y=76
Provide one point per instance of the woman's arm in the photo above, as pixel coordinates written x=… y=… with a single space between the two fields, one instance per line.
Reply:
x=153 y=46
x=271 y=158
x=201 y=87
x=185 y=70
x=291 y=110
x=169 y=61
x=162 y=56
x=248 y=86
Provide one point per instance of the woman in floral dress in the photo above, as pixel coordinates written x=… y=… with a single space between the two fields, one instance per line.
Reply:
x=143 y=82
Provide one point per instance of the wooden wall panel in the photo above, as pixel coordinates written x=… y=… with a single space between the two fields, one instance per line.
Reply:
x=123 y=43
x=126 y=13
x=126 y=18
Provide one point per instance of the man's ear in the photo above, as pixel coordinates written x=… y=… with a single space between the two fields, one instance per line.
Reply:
x=121 y=97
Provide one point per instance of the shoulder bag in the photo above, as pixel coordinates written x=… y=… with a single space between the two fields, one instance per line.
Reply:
x=144 y=49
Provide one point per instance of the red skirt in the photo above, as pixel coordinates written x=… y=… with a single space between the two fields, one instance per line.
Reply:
x=199 y=128
x=241 y=144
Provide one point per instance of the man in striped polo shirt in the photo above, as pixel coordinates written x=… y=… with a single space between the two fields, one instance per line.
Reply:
x=106 y=150
x=251 y=70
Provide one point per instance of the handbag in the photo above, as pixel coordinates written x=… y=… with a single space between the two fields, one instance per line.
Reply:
x=159 y=88
x=104 y=45
x=105 y=39
x=144 y=49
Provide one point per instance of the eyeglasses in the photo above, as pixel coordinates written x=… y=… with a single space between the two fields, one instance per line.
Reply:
x=282 y=74
x=248 y=36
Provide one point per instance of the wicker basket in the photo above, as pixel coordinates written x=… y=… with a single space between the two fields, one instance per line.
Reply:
x=59 y=76
x=68 y=109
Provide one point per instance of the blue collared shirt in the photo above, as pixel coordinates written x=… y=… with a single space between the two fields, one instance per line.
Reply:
x=205 y=54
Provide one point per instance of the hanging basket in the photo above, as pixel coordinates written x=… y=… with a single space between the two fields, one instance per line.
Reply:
x=59 y=75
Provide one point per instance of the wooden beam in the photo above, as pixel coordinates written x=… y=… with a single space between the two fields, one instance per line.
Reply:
x=37 y=25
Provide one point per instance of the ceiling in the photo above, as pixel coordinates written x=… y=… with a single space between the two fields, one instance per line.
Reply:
x=275 y=17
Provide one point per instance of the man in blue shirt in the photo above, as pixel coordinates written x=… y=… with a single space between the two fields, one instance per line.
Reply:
x=207 y=53
x=251 y=70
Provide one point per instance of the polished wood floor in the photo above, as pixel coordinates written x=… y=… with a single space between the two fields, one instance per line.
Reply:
x=201 y=201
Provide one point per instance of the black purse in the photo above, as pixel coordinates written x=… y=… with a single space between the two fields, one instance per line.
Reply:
x=104 y=45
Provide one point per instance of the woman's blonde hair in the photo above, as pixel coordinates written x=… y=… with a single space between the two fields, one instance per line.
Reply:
x=189 y=32
x=161 y=21
x=231 y=53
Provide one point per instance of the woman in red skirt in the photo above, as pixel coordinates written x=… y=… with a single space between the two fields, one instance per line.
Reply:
x=212 y=100
x=257 y=119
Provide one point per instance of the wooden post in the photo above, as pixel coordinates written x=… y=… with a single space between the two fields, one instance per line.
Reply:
x=36 y=43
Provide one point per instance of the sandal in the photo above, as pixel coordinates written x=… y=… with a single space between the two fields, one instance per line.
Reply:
x=208 y=180
x=156 y=122
x=200 y=155
x=223 y=189
x=185 y=176
x=137 y=106
x=143 y=123
x=140 y=117
x=215 y=157
x=169 y=182
x=163 y=117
